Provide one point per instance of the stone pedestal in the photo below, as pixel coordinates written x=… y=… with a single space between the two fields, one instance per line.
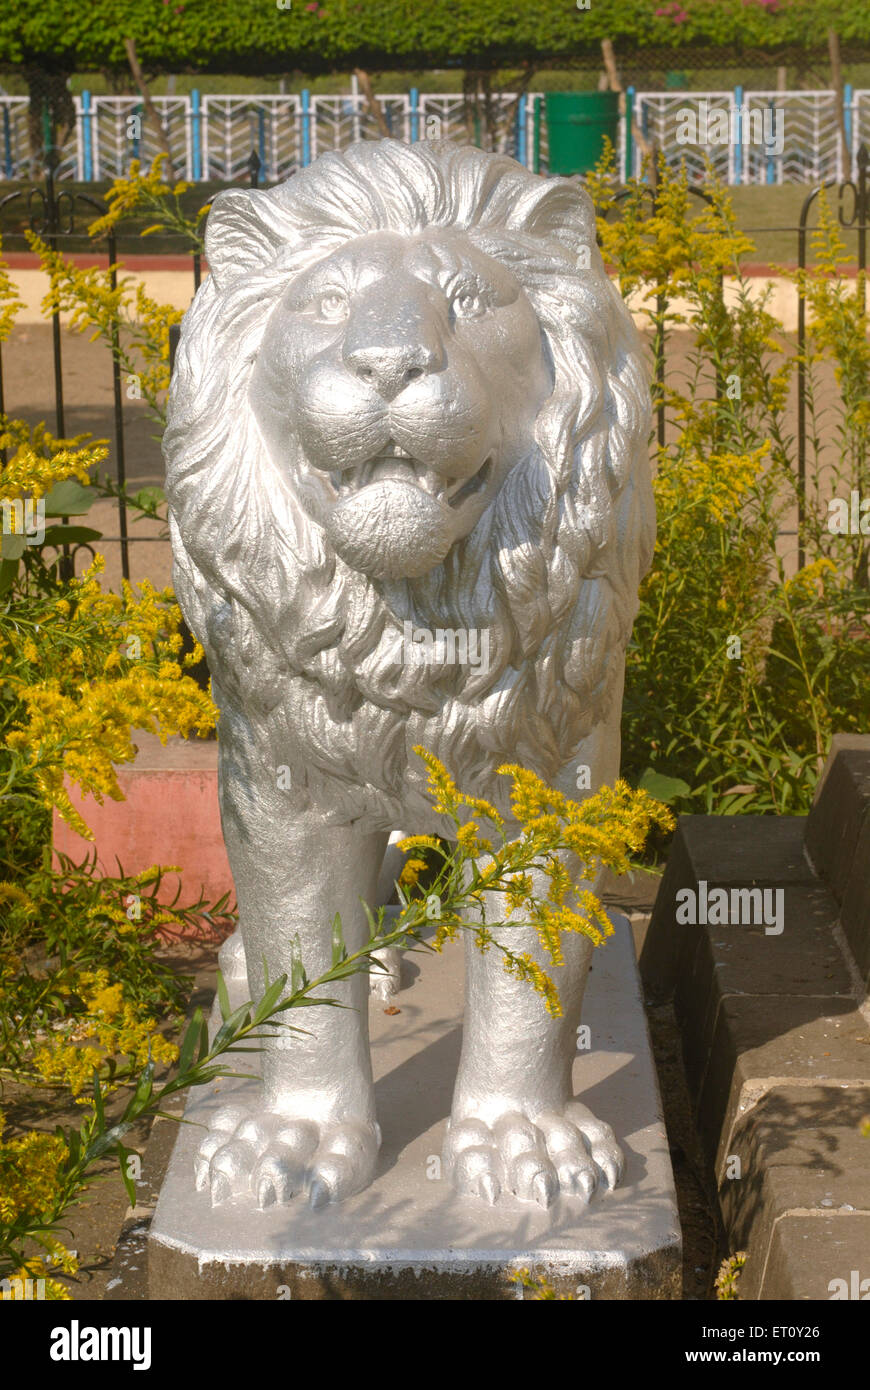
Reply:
x=408 y=1236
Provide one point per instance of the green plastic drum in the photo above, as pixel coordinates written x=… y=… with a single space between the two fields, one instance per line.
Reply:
x=577 y=123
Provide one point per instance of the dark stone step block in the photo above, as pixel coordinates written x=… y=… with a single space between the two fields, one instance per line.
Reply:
x=800 y=1152
x=809 y=1253
x=724 y=852
x=804 y=961
x=840 y=811
x=757 y=1043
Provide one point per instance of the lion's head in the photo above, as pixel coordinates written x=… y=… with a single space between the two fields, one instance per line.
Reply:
x=408 y=394
x=409 y=370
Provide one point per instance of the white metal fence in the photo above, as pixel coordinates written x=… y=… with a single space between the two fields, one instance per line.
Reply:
x=212 y=137
x=807 y=121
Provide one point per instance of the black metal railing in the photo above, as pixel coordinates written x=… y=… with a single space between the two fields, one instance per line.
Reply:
x=52 y=213
x=859 y=220
x=55 y=215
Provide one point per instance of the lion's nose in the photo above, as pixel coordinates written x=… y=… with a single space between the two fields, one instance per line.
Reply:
x=390 y=370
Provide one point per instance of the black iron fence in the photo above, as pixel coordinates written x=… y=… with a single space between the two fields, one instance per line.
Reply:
x=853 y=213
x=60 y=216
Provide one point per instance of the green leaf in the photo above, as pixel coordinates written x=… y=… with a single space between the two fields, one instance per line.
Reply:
x=70 y=535
x=223 y=997
x=125 y=1176
x=231 y=1025
x=14 y=545
x=69 y=498
x=74 y=1144
x=147 y=497
x=269 y=1000
x=8 y=571
x=203 y=1040
x=660 y=786
x=98 y=1102
x=144 y=1088
x=188 y=1046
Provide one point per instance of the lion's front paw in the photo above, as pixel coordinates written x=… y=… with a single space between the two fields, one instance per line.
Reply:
x=568 y=1151
x=276 y=1157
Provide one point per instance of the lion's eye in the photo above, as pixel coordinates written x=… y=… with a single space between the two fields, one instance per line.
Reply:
x=333 y=305
x=467 y=304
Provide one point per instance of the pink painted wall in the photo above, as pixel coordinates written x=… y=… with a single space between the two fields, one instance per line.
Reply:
x=170 y=816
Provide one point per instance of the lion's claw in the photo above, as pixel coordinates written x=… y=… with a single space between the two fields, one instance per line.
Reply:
x=276 y=1157
x=568 y=1152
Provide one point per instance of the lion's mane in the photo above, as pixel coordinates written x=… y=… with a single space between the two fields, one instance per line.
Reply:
x=304 y=648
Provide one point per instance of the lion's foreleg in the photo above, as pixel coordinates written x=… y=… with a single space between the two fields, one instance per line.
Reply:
x=315 y=1128
x=515 y=1124
x=514 y=1054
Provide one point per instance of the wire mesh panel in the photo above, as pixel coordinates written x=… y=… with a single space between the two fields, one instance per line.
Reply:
x=443 y=117
x=22 y=145
x=115 y=130
x=226 y=136
x=233 y=127
x=339 y=121
x=681 y=124
x=811 y=146
x=397 y=114
x=543 y=137
x=15 y=136
x=336 y=122
x=504 y=121
x=282 y=122
x=860 y=121
x=448 y=116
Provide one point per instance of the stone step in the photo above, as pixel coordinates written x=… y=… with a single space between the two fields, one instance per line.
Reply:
x=838 y=839
x=723 y=852
x=775 y=1041
x=798 y=1156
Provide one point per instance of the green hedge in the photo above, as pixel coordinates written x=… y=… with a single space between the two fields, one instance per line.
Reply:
x=321 y=35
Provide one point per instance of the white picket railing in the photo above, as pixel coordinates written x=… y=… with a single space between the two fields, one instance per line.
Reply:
x=808 y=121
x=211 y=137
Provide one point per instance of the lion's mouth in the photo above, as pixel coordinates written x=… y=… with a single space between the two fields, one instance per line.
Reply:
x=400 y=467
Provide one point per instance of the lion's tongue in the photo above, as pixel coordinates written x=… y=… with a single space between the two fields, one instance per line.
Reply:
x=390 y=530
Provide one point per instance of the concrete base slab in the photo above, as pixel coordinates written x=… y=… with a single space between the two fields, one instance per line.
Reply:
x=408 y=1236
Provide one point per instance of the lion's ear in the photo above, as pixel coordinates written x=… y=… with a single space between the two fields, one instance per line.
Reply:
x=243 y=233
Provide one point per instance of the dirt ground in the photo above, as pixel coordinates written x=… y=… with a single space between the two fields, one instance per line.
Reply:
x=92 y=1227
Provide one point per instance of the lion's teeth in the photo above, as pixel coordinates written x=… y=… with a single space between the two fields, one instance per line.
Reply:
x=384 y=469
x=429 y=480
